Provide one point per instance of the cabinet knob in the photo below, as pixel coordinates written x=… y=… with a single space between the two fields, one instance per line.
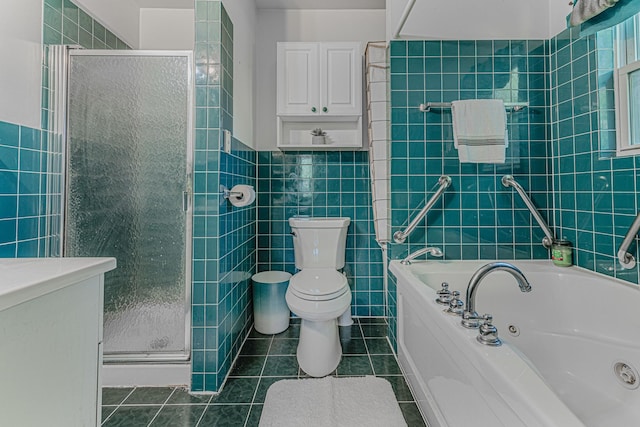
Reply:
x=325 y=109
x=313 y=109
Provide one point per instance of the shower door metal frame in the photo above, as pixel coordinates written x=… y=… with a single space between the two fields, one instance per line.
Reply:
x=146 y=357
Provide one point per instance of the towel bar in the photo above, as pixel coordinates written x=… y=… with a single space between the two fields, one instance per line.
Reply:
x=512 y=106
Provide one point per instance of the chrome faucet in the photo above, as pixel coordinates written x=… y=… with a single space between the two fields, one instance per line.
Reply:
x=437 y=252
x=470 y=318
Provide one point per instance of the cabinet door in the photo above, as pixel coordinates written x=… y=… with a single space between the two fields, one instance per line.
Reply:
x=298 y=78
x=341 y=78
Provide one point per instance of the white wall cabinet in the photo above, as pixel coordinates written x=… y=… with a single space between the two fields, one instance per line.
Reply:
x=319 y=85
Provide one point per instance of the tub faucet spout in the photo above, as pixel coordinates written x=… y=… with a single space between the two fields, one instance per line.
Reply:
x=470 y=318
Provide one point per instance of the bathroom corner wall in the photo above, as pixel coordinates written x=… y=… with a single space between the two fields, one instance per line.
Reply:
x=477 y=217
x=224 y=237
x=596 y=193
x=29 y=158
x=321 y=184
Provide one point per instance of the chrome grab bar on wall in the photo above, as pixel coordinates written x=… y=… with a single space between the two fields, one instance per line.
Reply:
x=547 y=241
x=401 y=236
x=626 y=259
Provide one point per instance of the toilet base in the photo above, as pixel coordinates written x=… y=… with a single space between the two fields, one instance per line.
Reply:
x=319 y=351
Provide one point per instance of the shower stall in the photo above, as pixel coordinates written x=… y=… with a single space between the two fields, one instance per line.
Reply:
x=126 y=149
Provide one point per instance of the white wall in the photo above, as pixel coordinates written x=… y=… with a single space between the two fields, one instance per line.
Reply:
x=558 y=12
x=121 y=17
x=244 y=18
x=21 y=69
x=276 y=25
x=473 y=19
x=167 y=29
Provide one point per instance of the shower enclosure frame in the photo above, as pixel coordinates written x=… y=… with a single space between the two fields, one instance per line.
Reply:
x=59 y=66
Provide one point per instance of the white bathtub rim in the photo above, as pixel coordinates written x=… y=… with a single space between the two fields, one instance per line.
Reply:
x=505 y=363
x=534 y=266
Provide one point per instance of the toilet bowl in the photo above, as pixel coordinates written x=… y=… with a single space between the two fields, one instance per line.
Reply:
x=319 y=294
x=319 y=351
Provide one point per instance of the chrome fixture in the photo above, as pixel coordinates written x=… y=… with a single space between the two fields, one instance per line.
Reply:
x=547 y=241
x=511 y=106
x=444 y=294
x=226 y=193
x=470 y=318
x=433 y=251
x=488 y=334
x=400 y=236
x=627 y=260
x=456 y=306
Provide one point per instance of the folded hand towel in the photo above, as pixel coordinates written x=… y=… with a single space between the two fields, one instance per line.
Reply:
x=587 y=9
x=479 y=130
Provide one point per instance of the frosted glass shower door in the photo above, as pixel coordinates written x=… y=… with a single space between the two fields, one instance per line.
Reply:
x=127 y=186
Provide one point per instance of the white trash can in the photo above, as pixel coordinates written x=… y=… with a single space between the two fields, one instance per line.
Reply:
x=270 y=310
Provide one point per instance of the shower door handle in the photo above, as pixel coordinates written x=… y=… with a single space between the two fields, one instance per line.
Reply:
x=185 y=201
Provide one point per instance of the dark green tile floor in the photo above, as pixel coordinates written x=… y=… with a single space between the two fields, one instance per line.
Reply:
x=263 y=360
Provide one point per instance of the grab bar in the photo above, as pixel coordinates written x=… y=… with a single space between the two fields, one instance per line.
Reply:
x=547 y=241
x=626 y=259
x=400 y=236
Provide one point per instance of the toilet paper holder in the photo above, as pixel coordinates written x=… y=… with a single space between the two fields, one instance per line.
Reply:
x=240 y=195
x=226 y=193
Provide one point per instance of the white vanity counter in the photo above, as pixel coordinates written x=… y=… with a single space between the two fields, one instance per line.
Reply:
x=22 y=279
x=51 y=312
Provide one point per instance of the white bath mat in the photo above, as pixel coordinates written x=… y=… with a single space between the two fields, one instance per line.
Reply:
x=332 y=402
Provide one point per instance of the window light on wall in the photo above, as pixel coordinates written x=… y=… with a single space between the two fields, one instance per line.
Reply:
x=627 y=87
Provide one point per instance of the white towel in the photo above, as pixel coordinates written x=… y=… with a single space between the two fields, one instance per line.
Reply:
x=480 y=130
x=584 y=10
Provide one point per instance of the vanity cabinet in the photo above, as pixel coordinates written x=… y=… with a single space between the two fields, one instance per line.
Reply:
x=319 y=85
x=51 y=335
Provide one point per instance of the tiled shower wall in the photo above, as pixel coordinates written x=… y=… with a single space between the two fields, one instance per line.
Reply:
x=28 y=159
x=321 y=184
x=224 y=255
x=596 y=194
x=477 y=217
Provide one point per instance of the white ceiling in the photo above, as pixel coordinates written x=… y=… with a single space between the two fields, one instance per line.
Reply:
x=165 y=4
x=320 y=4
x=273 y=4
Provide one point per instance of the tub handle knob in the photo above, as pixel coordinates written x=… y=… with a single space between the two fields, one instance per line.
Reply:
x=488 y=333
x=456 y=305
x=444 y=294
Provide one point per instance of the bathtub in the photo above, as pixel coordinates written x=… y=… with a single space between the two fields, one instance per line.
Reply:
x=570 y=347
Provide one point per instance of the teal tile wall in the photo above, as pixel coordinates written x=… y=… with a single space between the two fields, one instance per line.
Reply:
x=224 y=237
x=477 y=218
x=22 y=177
x=321 y=184
x=66 y=23
x=596 y=195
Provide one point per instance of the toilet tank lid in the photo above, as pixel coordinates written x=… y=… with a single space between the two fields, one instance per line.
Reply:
x=319 y=222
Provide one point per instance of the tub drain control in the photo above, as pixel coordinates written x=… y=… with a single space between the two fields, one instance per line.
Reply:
x=626 y=375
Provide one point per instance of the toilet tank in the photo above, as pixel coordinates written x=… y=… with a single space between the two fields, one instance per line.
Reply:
x=319 y=242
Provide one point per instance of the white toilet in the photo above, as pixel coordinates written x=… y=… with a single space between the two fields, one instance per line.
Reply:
x=318 y=293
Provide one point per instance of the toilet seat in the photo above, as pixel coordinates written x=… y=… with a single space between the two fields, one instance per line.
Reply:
x=318 y=284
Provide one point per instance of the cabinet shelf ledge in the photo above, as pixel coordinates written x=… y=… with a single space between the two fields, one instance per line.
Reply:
x=320 y=118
